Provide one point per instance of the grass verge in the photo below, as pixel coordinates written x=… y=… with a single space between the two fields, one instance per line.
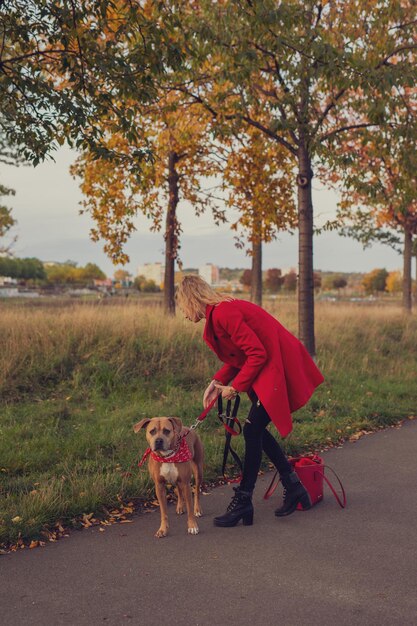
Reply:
x=73 y=383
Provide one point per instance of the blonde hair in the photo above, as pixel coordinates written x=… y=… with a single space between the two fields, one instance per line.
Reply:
x=193 y=294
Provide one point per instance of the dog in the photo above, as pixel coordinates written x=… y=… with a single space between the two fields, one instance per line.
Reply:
x=167 y=437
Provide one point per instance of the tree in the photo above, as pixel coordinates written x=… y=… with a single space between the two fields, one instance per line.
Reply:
x=6 y=220
x=339 y=282
x=257 y=174
x=63 y=65
x=274 y=280
x=317 y=281
x=414 y=253
x=375 y=281
x=290 y=281
x=92 y=272
x=246 y=278
x=61 y=274
x=316 y=70
x=26 y=269
x=68 y=274
x=394 y=282
x=176 y=135
x=147 y=286
x=380 y=177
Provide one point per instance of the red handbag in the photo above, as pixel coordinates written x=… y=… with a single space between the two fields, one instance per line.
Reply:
x=310 y=470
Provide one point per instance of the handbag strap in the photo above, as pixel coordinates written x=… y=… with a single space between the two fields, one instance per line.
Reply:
x=341 y=502
x=270 y=490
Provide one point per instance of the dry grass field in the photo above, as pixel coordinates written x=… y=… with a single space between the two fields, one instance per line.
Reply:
x=74 y=379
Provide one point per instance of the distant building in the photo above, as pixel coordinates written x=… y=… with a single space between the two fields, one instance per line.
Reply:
x=6 y=280
x=210 y=273
x=107 y=282
x=152 y=271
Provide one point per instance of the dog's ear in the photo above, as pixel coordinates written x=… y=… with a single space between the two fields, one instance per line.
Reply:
x=141 y=424
x=176 y=423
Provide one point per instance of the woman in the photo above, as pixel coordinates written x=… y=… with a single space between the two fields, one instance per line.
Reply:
x=264 y=359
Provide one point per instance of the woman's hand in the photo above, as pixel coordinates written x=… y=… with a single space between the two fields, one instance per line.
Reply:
x=228 y=393
x=210 y=393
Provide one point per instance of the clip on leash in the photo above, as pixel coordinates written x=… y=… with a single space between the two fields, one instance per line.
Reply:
x=229 y=420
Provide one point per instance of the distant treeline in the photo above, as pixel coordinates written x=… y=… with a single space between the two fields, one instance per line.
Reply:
x=59 y=273
x=22 y=268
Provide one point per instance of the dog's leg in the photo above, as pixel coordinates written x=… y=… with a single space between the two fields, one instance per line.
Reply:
x=162 y=499
x=185 y=488
x=180 y=502
x=198 y=479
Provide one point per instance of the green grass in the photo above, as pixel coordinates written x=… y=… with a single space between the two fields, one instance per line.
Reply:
x=74 y=381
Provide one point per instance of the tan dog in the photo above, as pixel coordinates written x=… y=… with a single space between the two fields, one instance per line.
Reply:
x=164 y=435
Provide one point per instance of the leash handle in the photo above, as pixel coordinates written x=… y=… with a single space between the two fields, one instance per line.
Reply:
x=229 y=419
x=229 y=423
x=228 y=406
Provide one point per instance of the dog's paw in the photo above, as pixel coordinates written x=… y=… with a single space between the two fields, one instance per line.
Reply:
x=180 y=509
x=193 y=530
x=198 y=512
x=161 y=532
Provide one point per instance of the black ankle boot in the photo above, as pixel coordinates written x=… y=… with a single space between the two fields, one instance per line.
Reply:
x=294 y=493
x=240 y=508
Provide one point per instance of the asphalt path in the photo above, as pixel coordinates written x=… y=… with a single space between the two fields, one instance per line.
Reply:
x=326 y=566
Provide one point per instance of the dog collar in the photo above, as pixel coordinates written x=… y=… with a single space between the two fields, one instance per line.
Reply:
x=181 y=455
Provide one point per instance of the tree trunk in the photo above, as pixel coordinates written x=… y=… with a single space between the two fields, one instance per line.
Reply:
x=407 y=305
x=414 y=252
x=256 y=283
x=171 y=238
x=415 y=284
x=305 y=251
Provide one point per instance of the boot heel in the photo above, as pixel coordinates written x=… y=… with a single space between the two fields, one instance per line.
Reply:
x=248 y=519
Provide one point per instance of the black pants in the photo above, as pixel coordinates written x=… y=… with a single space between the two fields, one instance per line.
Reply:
x=258 y=438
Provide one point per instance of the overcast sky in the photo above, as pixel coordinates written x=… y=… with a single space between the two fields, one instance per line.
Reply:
x=46 y=206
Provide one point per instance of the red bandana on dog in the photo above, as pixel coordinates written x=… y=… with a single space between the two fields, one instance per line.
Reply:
x=181 y=455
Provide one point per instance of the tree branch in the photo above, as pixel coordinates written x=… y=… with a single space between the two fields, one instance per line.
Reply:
x=344 y=129
x=393 y=53
x=22 y=57
x=271 y=134
x=327 y=110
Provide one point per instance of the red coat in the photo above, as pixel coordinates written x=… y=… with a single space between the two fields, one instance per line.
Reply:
x=261 y=355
